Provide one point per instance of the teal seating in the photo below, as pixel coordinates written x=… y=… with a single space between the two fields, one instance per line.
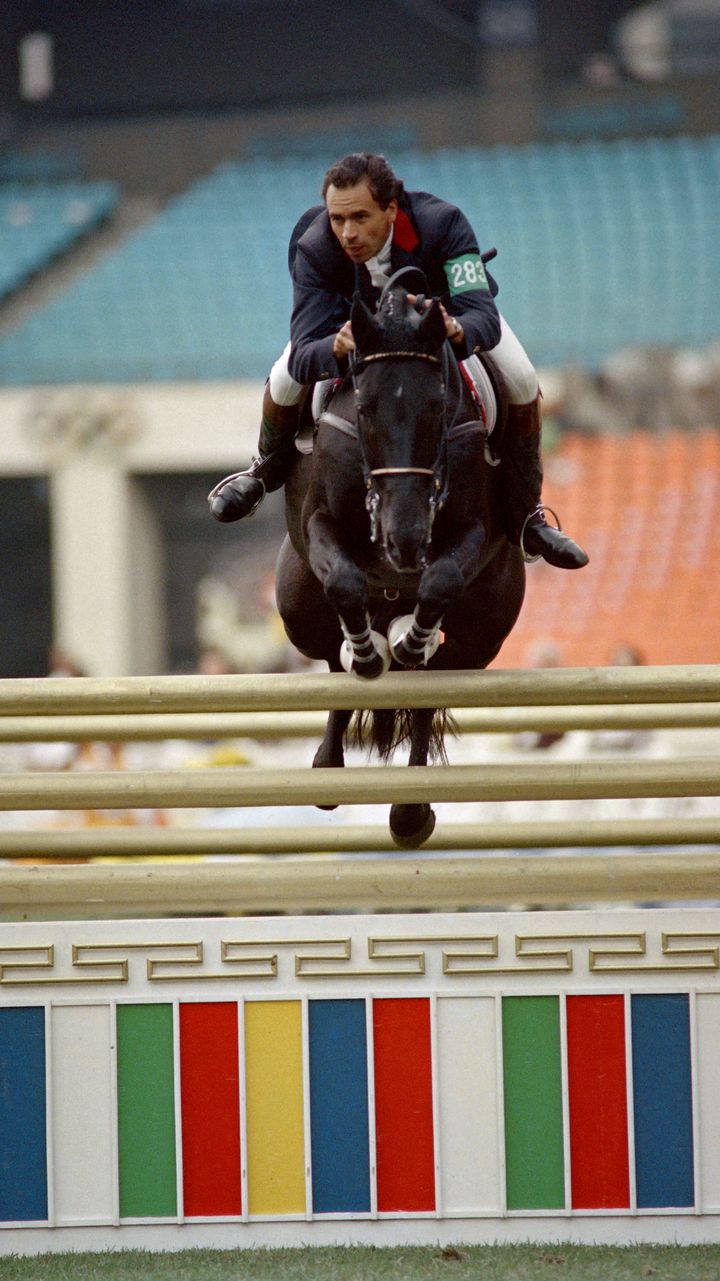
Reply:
x=600 y=245
x=40 y=221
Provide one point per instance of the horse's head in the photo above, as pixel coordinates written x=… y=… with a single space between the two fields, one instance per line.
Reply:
x=400 y=399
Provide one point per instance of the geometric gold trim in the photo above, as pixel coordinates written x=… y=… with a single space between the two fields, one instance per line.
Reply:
x=709 y=955
x=46 y=961
x=458 y=957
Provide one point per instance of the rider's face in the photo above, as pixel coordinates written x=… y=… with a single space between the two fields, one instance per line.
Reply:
x=359 y=223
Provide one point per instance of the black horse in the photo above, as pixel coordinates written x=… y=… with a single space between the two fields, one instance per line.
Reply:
x=396 y=552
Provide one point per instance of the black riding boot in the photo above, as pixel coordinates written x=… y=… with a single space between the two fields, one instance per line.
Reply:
x=241 y=494
x=521 y=473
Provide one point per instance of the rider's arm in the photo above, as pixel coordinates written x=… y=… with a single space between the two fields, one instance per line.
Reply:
x=469 y=295
x=317 y=315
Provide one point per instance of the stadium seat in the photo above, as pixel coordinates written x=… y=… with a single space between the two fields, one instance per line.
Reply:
x=39 y=221
x=600 y=245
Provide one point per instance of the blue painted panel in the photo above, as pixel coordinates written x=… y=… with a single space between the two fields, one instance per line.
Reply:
x=339 y=1107
x=662 y=1100
x=23 y=1151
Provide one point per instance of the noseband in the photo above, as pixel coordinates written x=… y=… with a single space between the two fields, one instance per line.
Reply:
x=438 y=472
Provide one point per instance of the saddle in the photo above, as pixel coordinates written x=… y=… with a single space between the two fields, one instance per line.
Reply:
x=480 y=377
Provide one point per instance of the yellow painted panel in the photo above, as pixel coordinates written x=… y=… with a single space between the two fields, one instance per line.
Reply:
x=274 y=1093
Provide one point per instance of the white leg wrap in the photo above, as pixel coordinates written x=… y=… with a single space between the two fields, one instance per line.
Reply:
x=362 y=648
x=418 y=643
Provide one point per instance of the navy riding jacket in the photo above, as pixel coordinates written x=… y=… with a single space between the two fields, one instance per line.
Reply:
x=428 y=233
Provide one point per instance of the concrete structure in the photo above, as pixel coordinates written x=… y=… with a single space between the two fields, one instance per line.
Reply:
x=93 y=443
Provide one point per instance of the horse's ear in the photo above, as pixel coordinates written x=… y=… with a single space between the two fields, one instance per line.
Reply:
x=431 y=329
x=365 y=328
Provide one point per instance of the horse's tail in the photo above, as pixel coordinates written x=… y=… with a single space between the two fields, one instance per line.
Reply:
x=384 y=729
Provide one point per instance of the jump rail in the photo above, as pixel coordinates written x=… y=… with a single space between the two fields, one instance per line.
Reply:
x=76 y=709
x=329 y=884
x=547 y=780
x=159 y=726
x=291 y=693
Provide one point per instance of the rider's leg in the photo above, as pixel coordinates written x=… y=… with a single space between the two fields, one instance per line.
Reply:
x=521 y=460
x=240 y=494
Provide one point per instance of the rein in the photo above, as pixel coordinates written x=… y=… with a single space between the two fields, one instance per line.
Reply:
x=438 y=472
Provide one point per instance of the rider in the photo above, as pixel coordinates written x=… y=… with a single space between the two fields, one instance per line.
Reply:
x=369 y=227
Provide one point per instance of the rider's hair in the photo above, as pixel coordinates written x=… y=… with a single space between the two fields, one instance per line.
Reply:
x=376 y=171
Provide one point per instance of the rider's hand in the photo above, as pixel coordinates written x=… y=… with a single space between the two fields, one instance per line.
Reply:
x=344 y=343
x=453 y=329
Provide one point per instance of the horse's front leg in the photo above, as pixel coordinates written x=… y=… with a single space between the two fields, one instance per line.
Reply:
x=412 y=824
x=364 y=652
x=414 y=638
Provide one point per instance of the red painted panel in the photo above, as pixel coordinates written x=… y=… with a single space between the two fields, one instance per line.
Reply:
x=598 y=1103
x=403 y=1104
x=210 y=1100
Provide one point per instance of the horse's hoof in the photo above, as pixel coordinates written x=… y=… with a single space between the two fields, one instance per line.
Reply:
x=405 y=838
x=367 y=668
x=397 y=634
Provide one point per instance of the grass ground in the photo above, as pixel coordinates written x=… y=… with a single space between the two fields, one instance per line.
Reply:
x=479 y=1263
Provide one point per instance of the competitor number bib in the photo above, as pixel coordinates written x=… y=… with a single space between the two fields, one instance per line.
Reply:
x=466 y=272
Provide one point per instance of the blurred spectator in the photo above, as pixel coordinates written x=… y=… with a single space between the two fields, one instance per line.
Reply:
x=541 y=653
x=62 y=663
x=622 y=740
x=54 y=756
x=213 y=662
x=240 y=621
x=626 y=656
x=87 y=754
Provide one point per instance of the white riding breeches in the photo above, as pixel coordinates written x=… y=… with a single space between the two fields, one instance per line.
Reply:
x=283 y=389
x=513 y=363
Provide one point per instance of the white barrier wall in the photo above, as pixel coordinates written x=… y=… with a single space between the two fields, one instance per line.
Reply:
x=392 y=1078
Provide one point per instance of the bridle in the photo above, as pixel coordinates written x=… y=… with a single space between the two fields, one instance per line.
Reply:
x=438 y=472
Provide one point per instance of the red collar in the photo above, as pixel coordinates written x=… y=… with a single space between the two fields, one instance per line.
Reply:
x=404 y=234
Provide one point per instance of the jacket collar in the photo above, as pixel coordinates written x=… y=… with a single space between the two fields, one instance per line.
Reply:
x=404 y=234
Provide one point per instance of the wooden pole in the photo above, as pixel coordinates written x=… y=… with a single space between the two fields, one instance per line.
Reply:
x=289 y=693
x=172 y=842
x=358 y=785
x=148 y=726
x=303 y=885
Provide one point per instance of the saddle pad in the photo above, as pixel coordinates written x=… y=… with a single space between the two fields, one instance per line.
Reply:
x=305 y=436
x=472 y=369
x=475 y=373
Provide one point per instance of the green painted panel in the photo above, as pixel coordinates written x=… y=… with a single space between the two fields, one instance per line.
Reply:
x=146 y=1111
x=533 y=1103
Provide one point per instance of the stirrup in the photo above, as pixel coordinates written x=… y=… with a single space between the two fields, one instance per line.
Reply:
x=537 y=511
